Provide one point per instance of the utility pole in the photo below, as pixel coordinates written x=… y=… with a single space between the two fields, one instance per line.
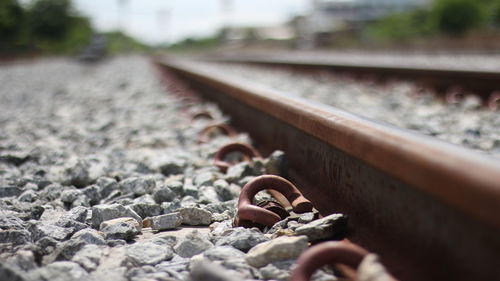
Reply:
x=308 y=26
x=226 y=7
x=163 y=18
x=122 y=17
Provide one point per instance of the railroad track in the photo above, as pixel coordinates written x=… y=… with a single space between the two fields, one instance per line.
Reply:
x=445 y=81
x=429 y=209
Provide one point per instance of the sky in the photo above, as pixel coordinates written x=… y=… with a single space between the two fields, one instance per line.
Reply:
x=167 y=21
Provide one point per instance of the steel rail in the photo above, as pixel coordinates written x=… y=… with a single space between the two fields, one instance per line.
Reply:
x=410 y=198
x=480 y=82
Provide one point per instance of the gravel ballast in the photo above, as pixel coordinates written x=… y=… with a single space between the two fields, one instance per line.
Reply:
x=102 y=178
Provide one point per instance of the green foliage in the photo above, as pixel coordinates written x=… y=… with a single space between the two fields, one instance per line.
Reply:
x=11 y=18
x=11 y=15
x=79 y=33
x=52 y=26
x=458 y=16
x=117 y=42
x=76 y=36
x=44 y=25
x=449 y=17
x=401 y=27
x=494 y=9
x=194 y=44
x=50 y=19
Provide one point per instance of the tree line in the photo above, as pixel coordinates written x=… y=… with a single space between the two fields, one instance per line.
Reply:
x=453 y=18
x=42 y=25
x=53 y=27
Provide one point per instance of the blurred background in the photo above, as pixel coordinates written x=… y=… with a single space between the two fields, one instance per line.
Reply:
x=90 y=28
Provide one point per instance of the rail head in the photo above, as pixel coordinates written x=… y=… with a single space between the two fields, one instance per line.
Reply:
x=381 y=67
x=456 y=176
x=441 y=80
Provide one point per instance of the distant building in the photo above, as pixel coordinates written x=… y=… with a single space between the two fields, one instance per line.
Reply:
x=330 y=16
x=252 y=34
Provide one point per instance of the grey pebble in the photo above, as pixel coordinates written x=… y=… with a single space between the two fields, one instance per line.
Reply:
x=176 y=186
x=89 y=257
x=10 y=191
x=28 y=196
x=121 y=228
x=149 y=253
x=15 y=237
x=146 y=210
x=138 y=185
x=70 y=195
x=47 y=245
x=78 y=174
x=193 y=244
x=78 y=214
x=276 y=164
x=239 y=171
x=23 y=260
x=204 y=270
x=331 y=226
x=39 y=230
x=90 y=236
x=166 y=222
x=10 y=273
x=170 y=207
x=195 y=216
x=281 y=248
x=208 y=195
x=241 y=238
x=61 y=271
x=230 y=258
x=102 y=213
x=116 y=242
x=280 y=270
x=107 y=185
x=172 y=166
x=306 y=217
x=163 y=194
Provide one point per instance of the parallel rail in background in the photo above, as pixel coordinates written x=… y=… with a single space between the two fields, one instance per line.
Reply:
x=428 y=208
x=480 y=82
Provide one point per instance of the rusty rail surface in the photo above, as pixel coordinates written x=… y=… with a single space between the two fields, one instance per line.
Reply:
x=480 y=82
x=428 y=208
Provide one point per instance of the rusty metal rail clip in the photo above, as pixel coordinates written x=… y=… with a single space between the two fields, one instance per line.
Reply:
x=202 y=115
x=274 y=207
x=454 y=95
x=269 y=205
x=245 y=149
x=334 y=253
x=248 y=213
x=204 y=134
x=494 y=101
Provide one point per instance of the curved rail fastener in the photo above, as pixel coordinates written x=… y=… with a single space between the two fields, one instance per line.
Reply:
x=248 y=212
x=454 y=95
x=224 y=128
x=328 y=253
x=202 y=114
x=270 y=205
x=245 y=149
x=494 y=101
x=250 y=152
x=275 y=207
